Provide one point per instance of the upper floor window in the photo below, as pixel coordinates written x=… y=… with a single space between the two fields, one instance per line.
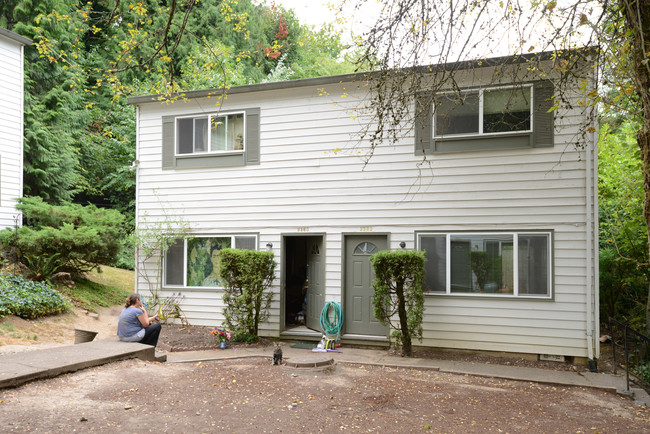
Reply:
x=486 y=119
x=209 y=140
x=483 y=111
x=212 y=133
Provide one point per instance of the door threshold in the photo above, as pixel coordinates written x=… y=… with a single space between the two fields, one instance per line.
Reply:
x=300 y=334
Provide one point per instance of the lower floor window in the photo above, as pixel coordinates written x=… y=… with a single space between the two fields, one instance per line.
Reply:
x=516 y=264
x=195 y=262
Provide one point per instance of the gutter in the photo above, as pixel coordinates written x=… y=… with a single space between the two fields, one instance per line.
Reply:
x=360 y=76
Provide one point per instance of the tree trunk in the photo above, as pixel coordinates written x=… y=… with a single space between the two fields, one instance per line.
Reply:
x=403 y=320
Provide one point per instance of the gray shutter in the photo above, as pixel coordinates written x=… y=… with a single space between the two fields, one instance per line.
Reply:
x=168 y=160
x=542 y=119
x=253 y=136
x=423 y=124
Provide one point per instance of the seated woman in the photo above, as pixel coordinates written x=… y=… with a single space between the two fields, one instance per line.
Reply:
x=135 y=325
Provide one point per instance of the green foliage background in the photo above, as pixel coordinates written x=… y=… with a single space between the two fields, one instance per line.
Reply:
x=624 y=273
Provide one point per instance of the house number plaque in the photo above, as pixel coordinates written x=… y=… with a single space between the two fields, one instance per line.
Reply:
x=303 y=229
x=366 y=228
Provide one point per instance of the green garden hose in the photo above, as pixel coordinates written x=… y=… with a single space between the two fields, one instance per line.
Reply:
x=331 y=329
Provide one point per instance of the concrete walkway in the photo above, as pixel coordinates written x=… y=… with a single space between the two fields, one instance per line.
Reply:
x=20 y=368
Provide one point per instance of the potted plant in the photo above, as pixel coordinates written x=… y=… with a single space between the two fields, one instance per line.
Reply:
x=222 y=335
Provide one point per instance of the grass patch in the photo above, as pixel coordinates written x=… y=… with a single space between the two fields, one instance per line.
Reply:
x=91 y=295
x=115 y=277
x=7 y=326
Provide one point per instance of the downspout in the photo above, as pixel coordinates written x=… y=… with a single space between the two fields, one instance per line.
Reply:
x=137 y=193
x=21 y=157
x=590 y=252
x=592 y=244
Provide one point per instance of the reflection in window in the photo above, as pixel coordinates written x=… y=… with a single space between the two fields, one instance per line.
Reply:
x=495 y=263
x=506 y=110
x=210 y=134
x=203 y=260
x=503 y=110
x=457 y=114
x=195 y=262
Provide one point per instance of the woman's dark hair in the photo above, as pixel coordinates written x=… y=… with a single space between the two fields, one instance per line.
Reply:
x=132 y=299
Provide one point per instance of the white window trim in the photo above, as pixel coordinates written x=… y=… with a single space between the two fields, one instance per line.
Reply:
x=209 y=116
x=515 y=264
x=480 y=133
x=199 y=288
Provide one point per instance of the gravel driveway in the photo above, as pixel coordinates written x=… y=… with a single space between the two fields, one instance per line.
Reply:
x=249 y=395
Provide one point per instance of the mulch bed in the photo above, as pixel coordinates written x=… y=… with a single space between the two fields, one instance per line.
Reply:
x=175 y=337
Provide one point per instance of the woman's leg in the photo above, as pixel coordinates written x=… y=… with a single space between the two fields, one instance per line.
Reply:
x=151 y=334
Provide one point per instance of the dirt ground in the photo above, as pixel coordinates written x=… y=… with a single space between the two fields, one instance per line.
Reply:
x=252 y=396
x=17 y=334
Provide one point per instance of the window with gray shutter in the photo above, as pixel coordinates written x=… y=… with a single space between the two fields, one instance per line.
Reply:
x=502 y=117
x=233 y=140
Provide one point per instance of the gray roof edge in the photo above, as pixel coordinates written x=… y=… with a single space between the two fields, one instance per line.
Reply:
x=15 y=37
x=358 y=76
x=258 y=87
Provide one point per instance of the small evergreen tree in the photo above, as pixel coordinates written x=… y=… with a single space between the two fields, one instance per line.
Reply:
x=246 y=274
x=70 y=237
x=398 y=291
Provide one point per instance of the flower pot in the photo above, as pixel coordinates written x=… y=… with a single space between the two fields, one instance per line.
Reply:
x=222 y=345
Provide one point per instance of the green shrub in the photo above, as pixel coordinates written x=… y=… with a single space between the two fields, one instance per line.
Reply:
x=246 y=338
x=69 y=238
x=642 y=372
x=398 y=290
x=246 y=275
x=27 y=299
x=126 y=255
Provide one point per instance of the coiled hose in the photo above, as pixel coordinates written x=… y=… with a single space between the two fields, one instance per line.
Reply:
x=331 y=328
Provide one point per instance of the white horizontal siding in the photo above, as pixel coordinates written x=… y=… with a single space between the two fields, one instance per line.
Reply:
x=312 y=177
x=11 y=128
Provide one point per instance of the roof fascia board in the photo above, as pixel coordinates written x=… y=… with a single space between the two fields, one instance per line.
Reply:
x=15 y=37
x=359 y=76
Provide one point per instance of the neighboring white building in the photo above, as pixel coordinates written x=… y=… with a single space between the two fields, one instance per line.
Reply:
x=11 y=123
x=277 y=166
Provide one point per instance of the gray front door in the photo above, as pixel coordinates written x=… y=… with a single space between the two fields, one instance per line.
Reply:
x=315 y=283
x=359 y=315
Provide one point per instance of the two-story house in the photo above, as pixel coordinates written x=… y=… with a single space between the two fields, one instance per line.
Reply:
x=505 y=206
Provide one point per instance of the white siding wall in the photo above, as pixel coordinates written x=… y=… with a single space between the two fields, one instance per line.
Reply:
x=11 y=128
x=302 y=184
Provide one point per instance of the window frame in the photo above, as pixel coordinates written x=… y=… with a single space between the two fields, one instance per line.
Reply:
x=542 y=135
x=208 y=152
x=185 y=253
x=515 y=263
x=481 y=94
